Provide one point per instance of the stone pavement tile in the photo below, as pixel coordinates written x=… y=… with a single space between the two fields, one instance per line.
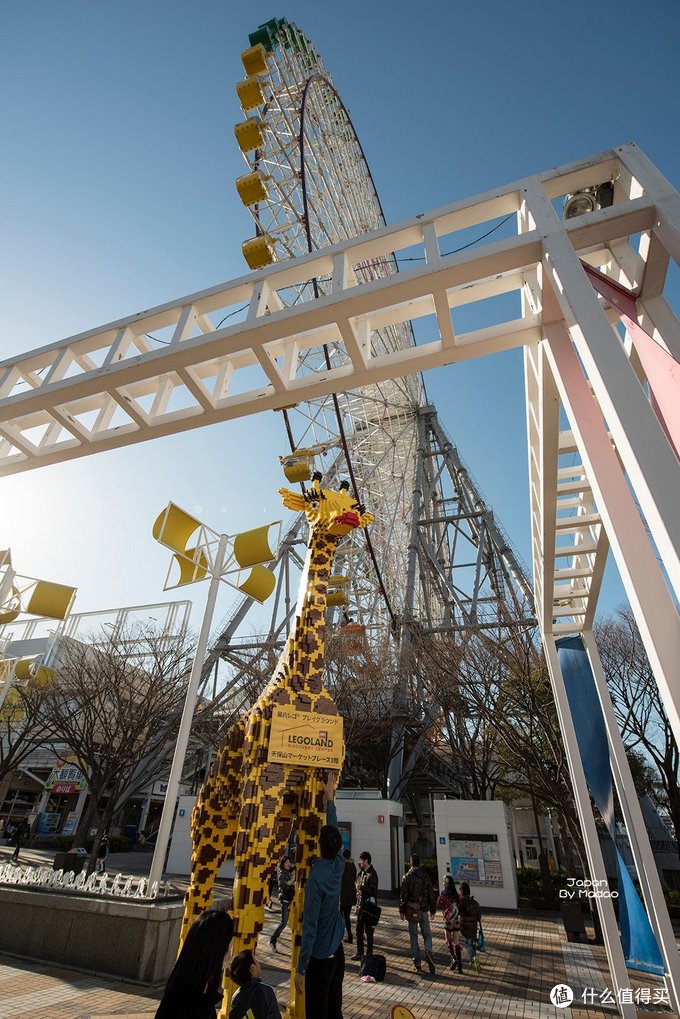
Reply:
x=526 y=957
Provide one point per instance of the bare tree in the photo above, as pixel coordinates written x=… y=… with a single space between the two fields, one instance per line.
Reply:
x=500 y=723
x=638 y=705
x=361 y=680
x=110 y=702
x=22 y=724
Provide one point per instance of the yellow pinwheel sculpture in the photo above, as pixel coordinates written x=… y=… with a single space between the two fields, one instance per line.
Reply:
x=19 y=594
x=195 y=553
x=27 y=594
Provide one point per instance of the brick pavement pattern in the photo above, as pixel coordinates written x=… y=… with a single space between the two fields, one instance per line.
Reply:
x=526 y=957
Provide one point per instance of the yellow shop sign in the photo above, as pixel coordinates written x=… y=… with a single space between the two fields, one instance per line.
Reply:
x=304 y=737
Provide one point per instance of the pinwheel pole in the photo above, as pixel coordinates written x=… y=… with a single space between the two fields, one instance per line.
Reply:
x=158 y=861
x=217 y=556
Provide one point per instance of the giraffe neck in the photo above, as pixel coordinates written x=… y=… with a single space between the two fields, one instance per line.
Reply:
x=304 y=656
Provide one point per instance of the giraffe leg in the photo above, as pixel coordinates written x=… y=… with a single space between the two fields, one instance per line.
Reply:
x=212 y=844
x=284 y=823
x=214 y=823
x=270 y=801
x=310 y=818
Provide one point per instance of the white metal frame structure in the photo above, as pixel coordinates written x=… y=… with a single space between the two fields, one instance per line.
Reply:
x=610 y=479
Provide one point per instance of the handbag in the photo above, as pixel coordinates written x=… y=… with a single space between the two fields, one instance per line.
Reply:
x=373 y=966
x=481 y=943
x=371 y=911
x=412 y=912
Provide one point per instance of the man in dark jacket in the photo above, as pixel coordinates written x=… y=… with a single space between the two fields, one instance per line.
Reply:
x=367 y=889
x=417 y=899
x=21 y=835
x=348 y=893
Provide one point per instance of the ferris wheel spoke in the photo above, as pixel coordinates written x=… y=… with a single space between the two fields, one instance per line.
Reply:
x=320 y=191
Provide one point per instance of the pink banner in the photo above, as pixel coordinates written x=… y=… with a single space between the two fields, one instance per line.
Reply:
x=660 y=367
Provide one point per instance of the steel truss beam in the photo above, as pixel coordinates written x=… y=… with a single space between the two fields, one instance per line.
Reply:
x=602 y=481
x=110 y=387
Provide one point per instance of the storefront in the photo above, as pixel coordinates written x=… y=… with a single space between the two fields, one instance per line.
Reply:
x=62 y=800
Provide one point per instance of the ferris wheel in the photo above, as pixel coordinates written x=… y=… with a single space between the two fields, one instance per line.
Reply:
x=435 y=553
x=308 y=186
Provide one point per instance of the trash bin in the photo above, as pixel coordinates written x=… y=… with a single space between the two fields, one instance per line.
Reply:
x=130 y=832
x=572 y=918
x=69 y=862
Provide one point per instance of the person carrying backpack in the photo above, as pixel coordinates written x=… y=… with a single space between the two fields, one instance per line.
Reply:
x=448 y=902
x=470 y=918
x=418 y=898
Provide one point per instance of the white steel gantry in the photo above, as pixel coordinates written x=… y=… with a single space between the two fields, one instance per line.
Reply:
x=603 y=473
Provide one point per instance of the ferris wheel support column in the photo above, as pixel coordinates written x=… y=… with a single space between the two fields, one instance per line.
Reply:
x=396 y=776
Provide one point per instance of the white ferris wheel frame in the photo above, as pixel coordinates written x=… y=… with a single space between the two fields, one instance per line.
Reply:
x=107 y=388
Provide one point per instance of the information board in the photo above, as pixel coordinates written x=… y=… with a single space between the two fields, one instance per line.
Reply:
x=476 y=859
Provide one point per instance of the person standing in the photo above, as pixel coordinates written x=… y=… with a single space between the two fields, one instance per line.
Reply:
x=102 y=853
x=418 y=899
x=193 y=987
x=321 y=964
x=21 y=835
x=367 y=890
x=448 y=902
x=470 y=917
x=348 y=893
x=286 y=883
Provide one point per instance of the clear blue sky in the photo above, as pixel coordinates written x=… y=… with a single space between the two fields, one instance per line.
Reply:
x=117 y=193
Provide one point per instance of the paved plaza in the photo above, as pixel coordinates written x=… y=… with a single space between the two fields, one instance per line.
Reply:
x=527 y=955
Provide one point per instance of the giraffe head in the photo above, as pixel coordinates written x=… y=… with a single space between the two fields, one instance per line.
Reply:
x=334 y=512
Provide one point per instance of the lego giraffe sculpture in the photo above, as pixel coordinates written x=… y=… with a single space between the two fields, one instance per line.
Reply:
x=248 y=804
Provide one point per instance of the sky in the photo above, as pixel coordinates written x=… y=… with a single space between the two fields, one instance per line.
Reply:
x=117 y=194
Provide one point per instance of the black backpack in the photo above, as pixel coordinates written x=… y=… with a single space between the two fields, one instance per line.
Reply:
x=373 y=966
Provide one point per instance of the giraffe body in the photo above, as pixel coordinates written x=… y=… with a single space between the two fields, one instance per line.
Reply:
x=247 y=804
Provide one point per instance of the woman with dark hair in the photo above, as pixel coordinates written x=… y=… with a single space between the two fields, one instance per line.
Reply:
x=193 y=987
x=448 y=902
x=286 y=882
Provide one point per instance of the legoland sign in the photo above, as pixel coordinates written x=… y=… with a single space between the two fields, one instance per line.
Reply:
x=303 y=737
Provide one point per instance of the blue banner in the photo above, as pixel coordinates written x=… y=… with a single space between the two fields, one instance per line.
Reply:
x=637 y=937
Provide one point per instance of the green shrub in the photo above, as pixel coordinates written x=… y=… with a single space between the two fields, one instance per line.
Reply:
x=62 y=843
x=529 y=882
x=559 y=879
